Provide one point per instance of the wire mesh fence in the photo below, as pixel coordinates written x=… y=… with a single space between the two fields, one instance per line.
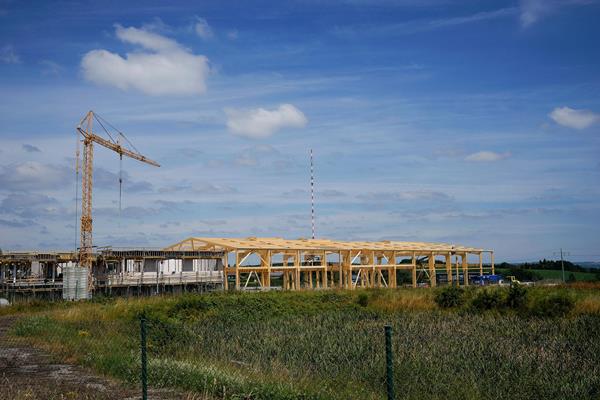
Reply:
x=260 y=364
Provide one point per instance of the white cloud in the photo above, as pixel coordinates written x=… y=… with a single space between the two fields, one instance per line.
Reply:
x=408 y=195
x=246 y=160
x=233 y=34
x=261 y=123
x=8 y=55
x=532 y=11
x=571 y=118
x=50 y=67
x=33 y=175
x=425 y=25
x=164 y=67
x=486 y=156
x=203 y=30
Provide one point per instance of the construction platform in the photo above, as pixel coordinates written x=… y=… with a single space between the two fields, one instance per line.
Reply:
x=316 y=263
x=115 y=272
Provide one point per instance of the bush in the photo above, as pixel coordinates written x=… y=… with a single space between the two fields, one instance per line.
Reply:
x=450 y=296
x=487 y=299
x=517 y=297
x=555 y=305
x=363 y=299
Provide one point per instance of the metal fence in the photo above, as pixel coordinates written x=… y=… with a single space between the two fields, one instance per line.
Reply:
x=45 y=358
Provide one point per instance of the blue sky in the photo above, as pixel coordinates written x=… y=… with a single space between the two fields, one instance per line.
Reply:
x=470 y=122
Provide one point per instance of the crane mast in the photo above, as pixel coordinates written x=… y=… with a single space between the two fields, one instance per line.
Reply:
x=85 y=128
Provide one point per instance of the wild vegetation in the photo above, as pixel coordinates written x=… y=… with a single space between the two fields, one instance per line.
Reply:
x=448 y=343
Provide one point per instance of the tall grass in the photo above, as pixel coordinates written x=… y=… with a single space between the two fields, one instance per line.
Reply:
x=330 y=345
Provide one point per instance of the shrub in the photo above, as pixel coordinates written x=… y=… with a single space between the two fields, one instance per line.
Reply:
x=450 y=296
x=487 y=299
x=363 y=300
x=554 y=305
x=517 y=297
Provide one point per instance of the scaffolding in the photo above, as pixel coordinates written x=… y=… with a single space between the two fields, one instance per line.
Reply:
x=114 y=271
x=318 y=263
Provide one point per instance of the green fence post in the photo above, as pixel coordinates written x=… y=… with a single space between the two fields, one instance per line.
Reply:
x=144 y=358
x=389 y=362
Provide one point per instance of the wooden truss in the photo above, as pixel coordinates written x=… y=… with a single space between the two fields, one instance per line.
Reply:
x=318 y=263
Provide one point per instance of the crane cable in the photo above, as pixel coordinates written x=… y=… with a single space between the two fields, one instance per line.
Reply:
x=120 y=185
x=118 y=142
x=98 y=117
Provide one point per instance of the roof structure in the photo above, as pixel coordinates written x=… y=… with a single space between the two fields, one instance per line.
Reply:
x=322 y=263
x=254 y=243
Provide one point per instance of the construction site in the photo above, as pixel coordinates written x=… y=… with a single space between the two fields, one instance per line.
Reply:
x=204 y=263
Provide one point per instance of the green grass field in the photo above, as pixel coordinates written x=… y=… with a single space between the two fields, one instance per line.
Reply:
x=330 y=344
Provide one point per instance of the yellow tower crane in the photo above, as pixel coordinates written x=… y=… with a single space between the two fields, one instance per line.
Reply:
x=89 y=138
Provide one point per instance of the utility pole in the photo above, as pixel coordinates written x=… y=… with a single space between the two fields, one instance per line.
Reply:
x=562 y=262
x=562 y=265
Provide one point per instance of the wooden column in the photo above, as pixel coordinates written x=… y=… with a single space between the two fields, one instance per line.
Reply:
x=341 y=270
x=348 y=267
x=414 y=270
x=493 y=268
x=237 y=270
x=324 y=270
x=457 y=272
x=465 y=265
x=432 y=278
x=318 y=279
x=225 y=269
x=449 y=267
x=393 y=278
x=297 y=283
x=480 y=264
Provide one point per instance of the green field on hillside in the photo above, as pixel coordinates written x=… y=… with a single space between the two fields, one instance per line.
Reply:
x=330 y=344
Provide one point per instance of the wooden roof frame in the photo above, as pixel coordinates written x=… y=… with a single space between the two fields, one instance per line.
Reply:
x=280 y=244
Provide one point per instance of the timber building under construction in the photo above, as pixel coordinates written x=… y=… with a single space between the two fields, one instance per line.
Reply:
x=198 y=264
x=232 y=264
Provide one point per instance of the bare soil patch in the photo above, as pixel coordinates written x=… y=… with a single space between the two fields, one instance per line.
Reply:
x=30 y=374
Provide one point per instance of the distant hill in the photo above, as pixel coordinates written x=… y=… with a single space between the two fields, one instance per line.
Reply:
x=551 y=269
x=590 y=264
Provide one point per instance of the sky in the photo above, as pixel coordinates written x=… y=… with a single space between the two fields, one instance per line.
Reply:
x=466 y=122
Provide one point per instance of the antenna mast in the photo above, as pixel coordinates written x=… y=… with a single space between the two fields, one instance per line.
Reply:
x=312 y=195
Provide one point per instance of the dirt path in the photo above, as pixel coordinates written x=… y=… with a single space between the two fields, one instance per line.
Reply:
x=28 y=373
